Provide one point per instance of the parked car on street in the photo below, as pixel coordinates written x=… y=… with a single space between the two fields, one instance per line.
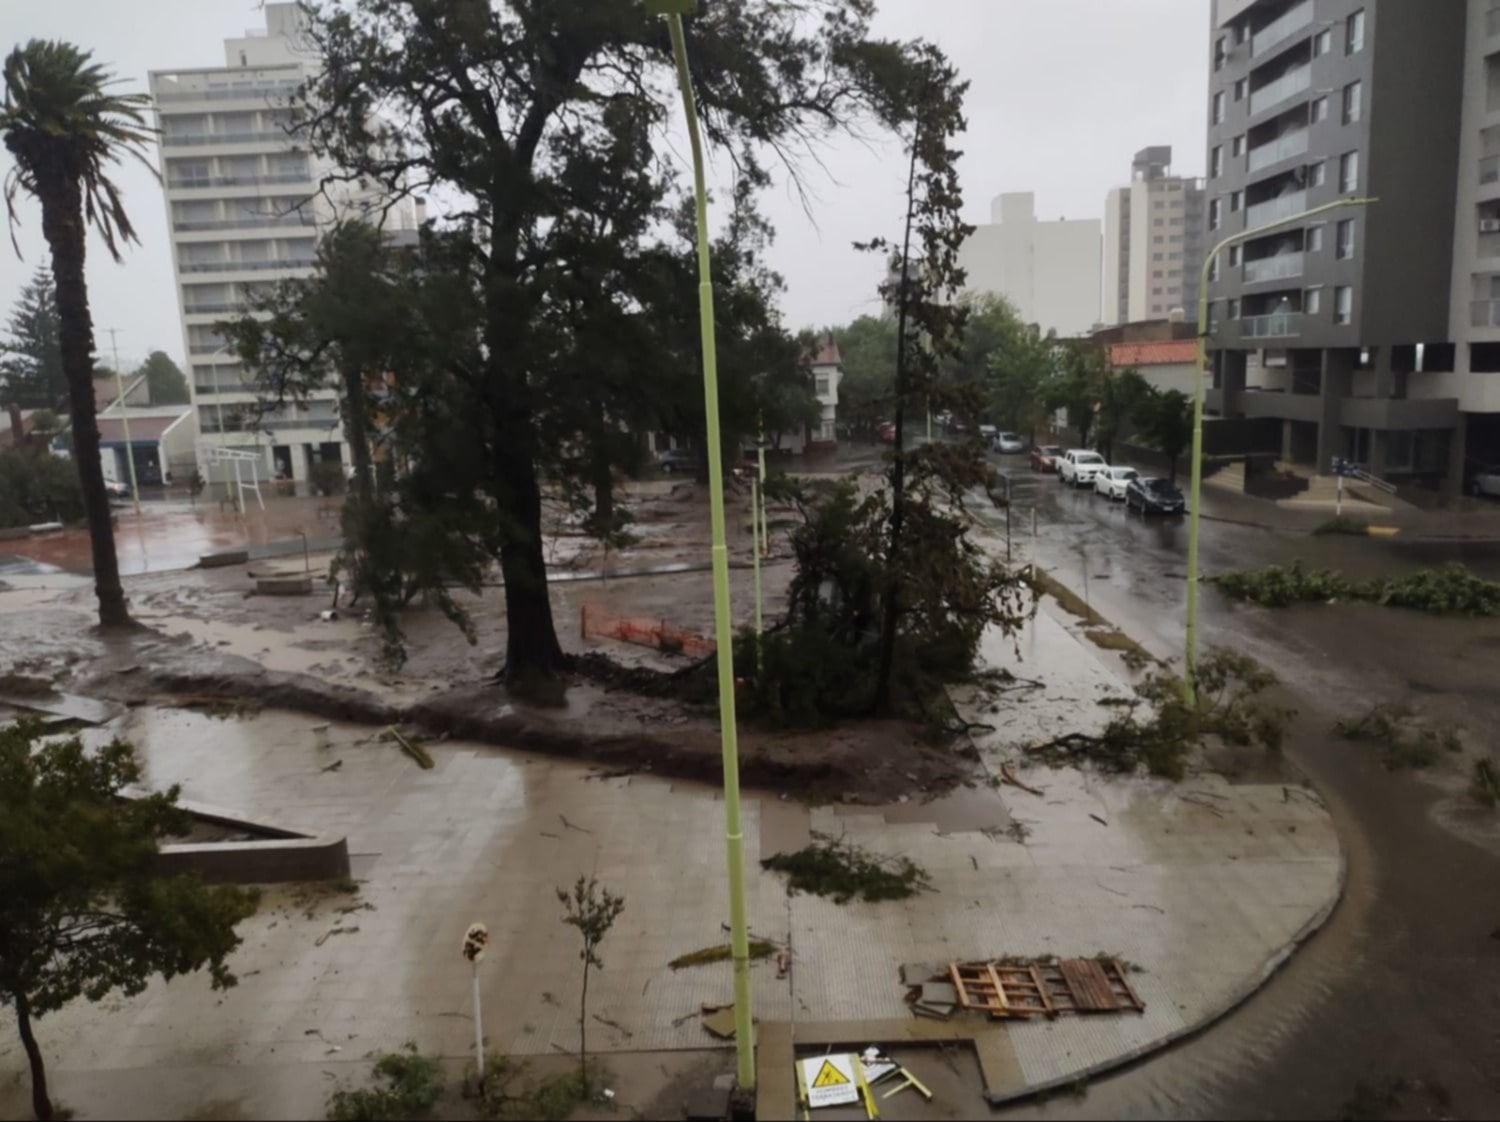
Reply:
x=1113 y=481
x=1487 y=482
x=677 y=459
x=1044 y=457
x=988 y=433
x=116 y=489
x=1008 y=443
x=886 y=432
x=1153 y=495
x=1079 y=466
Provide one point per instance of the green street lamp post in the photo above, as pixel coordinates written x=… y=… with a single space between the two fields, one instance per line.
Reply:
x=1190 y=653
x=739 y=939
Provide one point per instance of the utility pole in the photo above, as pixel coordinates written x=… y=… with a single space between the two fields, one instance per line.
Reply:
x=135 y=491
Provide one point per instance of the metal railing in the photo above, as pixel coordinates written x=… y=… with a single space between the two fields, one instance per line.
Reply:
x=1489 y=169
x=231 y=93
x=1277 y=267
x=1283 y=206
x=1484 y=313
x=1281 y=28
x=1292 y=82
x=244 y=266
x=1489 y=245
x=210 y=309
x=1276 y=325
x=242 y=224
x=1293 y=144
x=236 y=180
x=193 y=140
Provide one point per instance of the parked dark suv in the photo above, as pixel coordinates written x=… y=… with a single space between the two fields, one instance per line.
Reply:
x=1154 y=495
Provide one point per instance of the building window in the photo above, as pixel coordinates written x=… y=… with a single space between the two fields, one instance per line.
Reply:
x=1319 y=109
x=1352 y=102
x=1236 y=198
x=1157 y=274
x=1221 y=52
x=1322 y=42
x=1238 y=143
x=1158 y=222
x=1218 y=113
x=1317 y=175
x=1343 y=304
x=1312 y=301
x=1157 y=239
x=1315 y=239
x=1215 y=214
x=1236 y=254
x=1354 y=33
x=1216 y=161
x=1156 y=291
x=1213 y=268
x=1349 y=172
x=1239 y=89
x=1234 y=308
x=1213 y=316
x=1344 y=240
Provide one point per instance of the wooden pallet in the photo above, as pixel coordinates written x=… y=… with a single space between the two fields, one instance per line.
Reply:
x=1018 y=990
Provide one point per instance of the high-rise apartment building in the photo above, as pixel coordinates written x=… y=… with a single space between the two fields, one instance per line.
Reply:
x=244 y=210
x=1366 y=319
x=1153 y=241
x=1049 y=271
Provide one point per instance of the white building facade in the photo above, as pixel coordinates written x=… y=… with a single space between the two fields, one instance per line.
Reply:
x=1153 y=241
x=244 y=213
x=1049 y=271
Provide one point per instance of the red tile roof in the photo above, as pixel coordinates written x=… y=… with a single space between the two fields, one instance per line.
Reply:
x=1174 y=353
x=828 y=354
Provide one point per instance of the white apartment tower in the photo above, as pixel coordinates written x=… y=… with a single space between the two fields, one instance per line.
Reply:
x=244 y=212
x=1153 y=241
x=1048 y=270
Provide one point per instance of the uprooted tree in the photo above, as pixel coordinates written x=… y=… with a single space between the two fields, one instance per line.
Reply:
x=82 y=911
x=502 y=111
x=891 y=596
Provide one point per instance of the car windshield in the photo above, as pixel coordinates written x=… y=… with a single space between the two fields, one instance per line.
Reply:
x=1051 y=450
x=1160 y=486
x=1123 y=473
x=1088 y=458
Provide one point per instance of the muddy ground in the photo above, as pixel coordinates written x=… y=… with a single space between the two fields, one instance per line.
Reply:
x=206 y=636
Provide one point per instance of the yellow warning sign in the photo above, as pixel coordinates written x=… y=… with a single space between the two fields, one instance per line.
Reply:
x=830 y=1076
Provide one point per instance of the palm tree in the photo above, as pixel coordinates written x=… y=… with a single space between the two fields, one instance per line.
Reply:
x=64 y=128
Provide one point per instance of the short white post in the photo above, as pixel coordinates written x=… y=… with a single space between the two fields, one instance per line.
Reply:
x=1339 y=506
x=475 y=940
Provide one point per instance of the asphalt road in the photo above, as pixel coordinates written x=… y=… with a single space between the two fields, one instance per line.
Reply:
x=1399 y=995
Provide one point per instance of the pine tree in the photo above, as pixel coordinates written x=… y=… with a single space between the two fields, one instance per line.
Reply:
x=31 y=369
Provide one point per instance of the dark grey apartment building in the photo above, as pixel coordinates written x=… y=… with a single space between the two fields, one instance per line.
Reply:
x=1352 y=333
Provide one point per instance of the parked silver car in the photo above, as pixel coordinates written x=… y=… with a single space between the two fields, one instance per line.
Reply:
x=1487 y=481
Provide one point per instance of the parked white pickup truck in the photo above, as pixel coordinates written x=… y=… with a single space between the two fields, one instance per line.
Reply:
x=1079 y=467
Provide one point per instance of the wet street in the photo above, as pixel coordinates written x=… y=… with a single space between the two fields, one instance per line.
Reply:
x=1403 y=984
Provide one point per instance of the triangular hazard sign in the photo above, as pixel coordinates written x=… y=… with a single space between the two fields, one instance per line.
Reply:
x=830 y=1076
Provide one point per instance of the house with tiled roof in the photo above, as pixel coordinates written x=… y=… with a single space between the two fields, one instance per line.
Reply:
x=827 y=367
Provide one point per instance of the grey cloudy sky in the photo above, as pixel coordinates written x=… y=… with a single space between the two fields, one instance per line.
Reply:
x=1063 y=93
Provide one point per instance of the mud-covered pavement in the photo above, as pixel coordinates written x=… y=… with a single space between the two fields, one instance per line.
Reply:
x=1403 y=984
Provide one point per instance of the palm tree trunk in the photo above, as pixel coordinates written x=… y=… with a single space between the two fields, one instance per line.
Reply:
x=41 y=1104
x=62 y=225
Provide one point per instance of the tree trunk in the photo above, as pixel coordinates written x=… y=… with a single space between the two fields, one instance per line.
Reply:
x=532 y=652
x=356 y=424
x=583 y=1032
x=604 y=481
x=40 y=1103
x=62 y=225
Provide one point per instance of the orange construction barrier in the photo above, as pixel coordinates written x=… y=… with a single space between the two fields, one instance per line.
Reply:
x=643 y=631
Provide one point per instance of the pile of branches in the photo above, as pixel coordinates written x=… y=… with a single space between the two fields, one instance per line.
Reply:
x=1450 y=590
x=842 y=870
x=1405 y=741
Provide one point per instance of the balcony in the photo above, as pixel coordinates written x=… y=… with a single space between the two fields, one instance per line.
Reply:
x=1489 y=245
x=1280 y=406
x=1277 y=267
x=236 y=180
x=210 y=309
x=1272 y=210
x=230 y=93
x=243 y=224
x=1484 y=313
x=193 y=140
x=1292 y=82
x=1281 y=28
x=1489 y=168
x=1284 y=148
x=1278 y=325
x=245 y=266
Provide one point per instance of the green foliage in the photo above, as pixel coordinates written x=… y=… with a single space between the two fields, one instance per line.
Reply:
x=1021 y=379
x=592 y=911
x=82 y=911
x=31 y=367
x=165 y=382
x=408 y=1085
x=1484 y=786
x=723 y=952
x=1450 y=590
x=868 y=348
x=1354 y=527
x=841 y=870
x=1166 y=424
x=36 y=486
x=509 y=1093
x=1125 y=401
x=1405 y=741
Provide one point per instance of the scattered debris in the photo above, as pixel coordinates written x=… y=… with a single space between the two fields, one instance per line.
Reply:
x=412 y=748
x=783 y=963
x=720 y=1022
x=842 y=870
x=937 y=1000
x=1021 y=988
x=1099 y=820
x=614 y=1025
x=329 y=616
x=323 y=938
x=1010 y=777
x=333 y=766
x=1406 y=740
x=569 y=826
x=723 y=952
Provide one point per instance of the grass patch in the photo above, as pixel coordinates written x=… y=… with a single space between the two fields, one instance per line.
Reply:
x=1450 y=590
x=1354 y=527
x=1395 y=1098
x=1113 y=639
x=841 y=870
x=1485 y=785
x=1404 y=740
x=511 y=1095
x=408 y=1085
x=759 y=948
x=1042 y=583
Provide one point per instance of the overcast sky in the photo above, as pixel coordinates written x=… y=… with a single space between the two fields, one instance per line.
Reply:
x=1063 y=94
